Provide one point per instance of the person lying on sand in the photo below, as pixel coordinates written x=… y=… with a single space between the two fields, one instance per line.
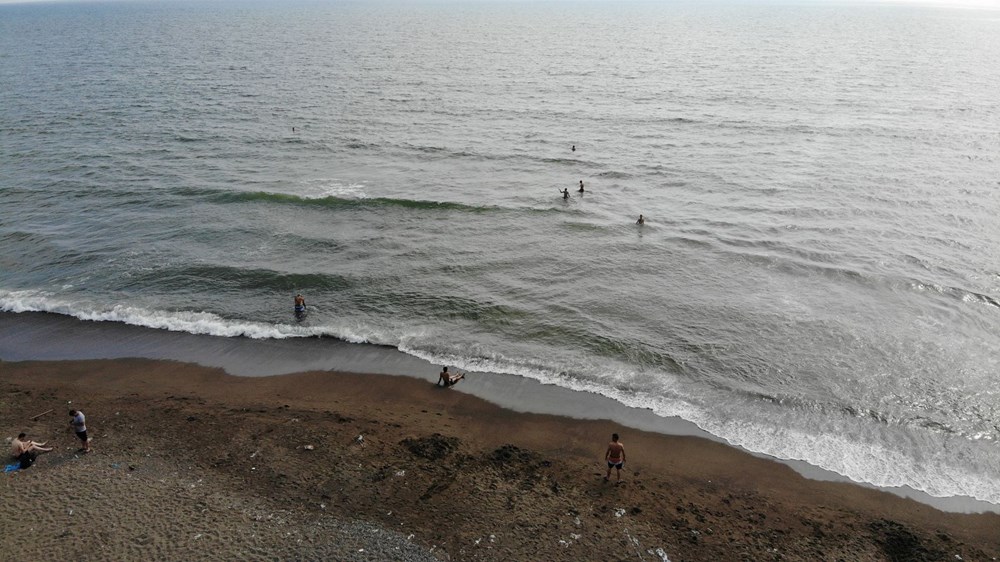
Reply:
x=447 y=379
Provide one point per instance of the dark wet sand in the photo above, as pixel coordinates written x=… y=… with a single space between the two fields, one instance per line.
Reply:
x=467 y=479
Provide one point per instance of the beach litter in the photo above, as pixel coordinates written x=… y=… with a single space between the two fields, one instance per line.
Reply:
x=659 y=552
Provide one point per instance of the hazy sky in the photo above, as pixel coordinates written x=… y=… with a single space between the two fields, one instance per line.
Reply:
x=992 y=4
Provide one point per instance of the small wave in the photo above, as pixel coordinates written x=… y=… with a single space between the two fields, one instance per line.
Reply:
x=954 y=292
x=583 y=226
x=25 y=238
x=192 y=322
x=333 y=202
x=217 y=196
x=563 y=161
x=614 y=174
x=238 y=278
x=359 y=145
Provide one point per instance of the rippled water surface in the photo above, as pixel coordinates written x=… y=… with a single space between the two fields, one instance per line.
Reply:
x=818 y=276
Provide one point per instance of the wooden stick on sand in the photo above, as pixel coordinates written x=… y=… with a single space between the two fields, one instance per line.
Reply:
x=42 y=414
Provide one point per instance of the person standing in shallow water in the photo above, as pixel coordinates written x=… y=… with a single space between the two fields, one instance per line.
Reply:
x=615 y=455
x=641 y=220
x=565 y=193
x=581 y=186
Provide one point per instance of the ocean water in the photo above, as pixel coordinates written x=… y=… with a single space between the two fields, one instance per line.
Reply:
x=817 y=279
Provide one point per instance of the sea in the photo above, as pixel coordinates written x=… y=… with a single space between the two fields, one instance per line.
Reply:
x=817 y=277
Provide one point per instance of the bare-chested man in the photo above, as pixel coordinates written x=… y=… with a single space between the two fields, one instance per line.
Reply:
x=447 y=379
x=25 y=450
x=615 y=456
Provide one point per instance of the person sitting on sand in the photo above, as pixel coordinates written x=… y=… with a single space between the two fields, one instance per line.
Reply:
x=24 y=450
x=22 y=445
x=641 y=220
x=446 y=379
x=615 y=455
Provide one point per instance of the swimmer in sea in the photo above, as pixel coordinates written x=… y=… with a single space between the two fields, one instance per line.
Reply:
x=641 y=220
x=565 y=193
x=300 y=304
x=581 y=186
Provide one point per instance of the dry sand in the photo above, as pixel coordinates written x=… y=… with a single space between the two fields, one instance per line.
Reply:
x=190 y=463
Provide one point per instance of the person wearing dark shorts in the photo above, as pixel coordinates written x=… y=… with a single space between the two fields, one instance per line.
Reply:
x=79 y=425
x=447 y=379
x=615 y=455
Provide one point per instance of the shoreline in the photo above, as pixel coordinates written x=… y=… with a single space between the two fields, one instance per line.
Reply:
x=50 y=336
x=508 y=485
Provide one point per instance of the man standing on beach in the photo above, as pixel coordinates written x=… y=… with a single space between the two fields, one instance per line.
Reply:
x=79 y=425
x=615 y=455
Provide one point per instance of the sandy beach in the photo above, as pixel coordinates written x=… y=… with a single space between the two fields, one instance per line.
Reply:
x=191 y=463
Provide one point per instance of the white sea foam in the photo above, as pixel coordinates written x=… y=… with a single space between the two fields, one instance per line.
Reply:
x=320 y=188
x=192 y=322
x=937 y=472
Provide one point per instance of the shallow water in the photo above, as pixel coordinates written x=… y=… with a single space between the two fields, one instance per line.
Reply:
x=817 y=278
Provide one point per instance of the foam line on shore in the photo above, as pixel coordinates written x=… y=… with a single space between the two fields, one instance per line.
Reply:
x=41 y=336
